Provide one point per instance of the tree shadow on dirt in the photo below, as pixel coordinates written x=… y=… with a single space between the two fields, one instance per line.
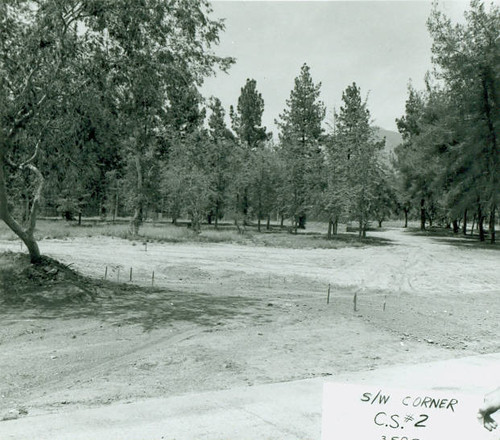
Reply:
x=468 y=243
x=447 y=236
x=54 y=291
x=317 y=240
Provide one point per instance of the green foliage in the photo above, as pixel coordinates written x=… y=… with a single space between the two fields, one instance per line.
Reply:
x=88 y=88
x=219 y=159
x=354 y=161
x=247 y=120
x=301 y=136
x=248 y=171
x=450 y=158
x=263 y=183
x=301 y=120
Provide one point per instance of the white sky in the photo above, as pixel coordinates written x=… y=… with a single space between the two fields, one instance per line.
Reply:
x=378 y=44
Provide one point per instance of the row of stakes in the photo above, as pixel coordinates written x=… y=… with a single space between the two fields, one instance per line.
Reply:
x=130 y=276
x=355 y=299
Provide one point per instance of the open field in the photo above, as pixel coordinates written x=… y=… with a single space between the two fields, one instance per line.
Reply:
x=232 y=314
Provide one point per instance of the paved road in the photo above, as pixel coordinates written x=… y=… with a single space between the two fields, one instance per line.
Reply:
x=284 y=411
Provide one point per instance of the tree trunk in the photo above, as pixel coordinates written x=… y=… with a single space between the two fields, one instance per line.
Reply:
x=422 y=215
x=492 y=225
x=455 y=226
x=115 y=208
x=302 y=221
x=196 y=224
x=258 y=223
x=473 y=225
x=363 y=230
x=79 y=218
x=330 y=227
x=480 y=223
x=336 y=225
x=268 y=222
x=246 y=205
x=406 y=216
x=137 y=218
x=282 y=221
x=380 y=223
x=216 y=224
x=26 y=235
x=464 y=227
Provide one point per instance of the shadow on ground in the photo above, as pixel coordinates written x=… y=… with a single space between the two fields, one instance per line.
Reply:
x=316 y=240
x=468 y=243
x=446 y=236
x=54 y=291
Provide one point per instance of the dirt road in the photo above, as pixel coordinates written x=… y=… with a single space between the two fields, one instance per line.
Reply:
x=225 y=315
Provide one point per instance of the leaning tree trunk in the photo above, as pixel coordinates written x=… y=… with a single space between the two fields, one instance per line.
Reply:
x=26 y=235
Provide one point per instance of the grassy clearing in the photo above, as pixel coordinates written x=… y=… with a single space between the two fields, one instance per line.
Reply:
x=164 y=232
x=313 y=237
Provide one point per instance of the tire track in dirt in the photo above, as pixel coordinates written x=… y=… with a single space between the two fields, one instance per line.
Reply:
x=112 y=363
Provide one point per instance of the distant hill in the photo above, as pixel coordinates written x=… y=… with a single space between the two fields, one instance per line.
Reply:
x=392 y=140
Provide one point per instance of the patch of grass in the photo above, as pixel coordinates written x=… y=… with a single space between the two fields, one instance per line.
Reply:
x=316 y=241
x=313 y=237
x=162 y=232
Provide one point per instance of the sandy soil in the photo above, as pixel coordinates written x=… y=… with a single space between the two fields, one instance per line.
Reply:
x=226 y=315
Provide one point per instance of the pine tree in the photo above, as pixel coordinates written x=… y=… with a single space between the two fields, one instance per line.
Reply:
x=301 y=136
x=468 y=59
x=247 y=120
x=222 y=143
x=251 y=136
x=359 y=163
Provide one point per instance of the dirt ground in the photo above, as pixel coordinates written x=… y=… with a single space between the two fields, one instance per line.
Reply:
x=219 y=316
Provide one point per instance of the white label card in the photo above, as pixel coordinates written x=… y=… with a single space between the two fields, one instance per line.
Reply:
x=368 y=412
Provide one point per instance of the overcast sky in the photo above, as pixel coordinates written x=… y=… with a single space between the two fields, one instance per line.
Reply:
x=380 y=45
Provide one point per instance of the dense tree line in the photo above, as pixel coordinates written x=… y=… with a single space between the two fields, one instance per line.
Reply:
x=102 y=115
x=449 y=162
